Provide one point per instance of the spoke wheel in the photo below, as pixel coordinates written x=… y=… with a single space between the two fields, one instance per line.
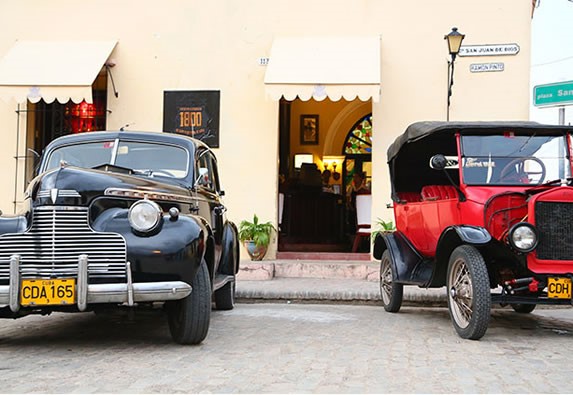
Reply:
x=523 y=308
x=391 y=293
x=469 y=299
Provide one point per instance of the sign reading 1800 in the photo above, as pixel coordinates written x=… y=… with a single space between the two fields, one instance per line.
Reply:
x=557 y=94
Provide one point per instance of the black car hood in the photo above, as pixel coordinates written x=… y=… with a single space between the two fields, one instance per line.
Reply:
x=71 y=185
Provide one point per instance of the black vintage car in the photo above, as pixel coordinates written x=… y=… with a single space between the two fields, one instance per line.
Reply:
x=124 y=220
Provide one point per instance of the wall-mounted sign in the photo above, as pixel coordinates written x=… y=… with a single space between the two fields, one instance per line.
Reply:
x=194 y=114
x=489 y=50
x=556 y=94
x=486 y=67
x=263 y=61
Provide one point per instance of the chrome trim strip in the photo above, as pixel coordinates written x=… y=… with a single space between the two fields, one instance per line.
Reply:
x=118 y=293
x=60 y=193
x=14 y=294
x=144 y=194
x=129 y=284
x=82 y=285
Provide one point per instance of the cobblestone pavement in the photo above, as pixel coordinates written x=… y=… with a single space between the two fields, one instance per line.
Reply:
x=301 y=348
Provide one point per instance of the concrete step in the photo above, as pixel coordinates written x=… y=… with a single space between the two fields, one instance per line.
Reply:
x=268 y=270
x=309 y=281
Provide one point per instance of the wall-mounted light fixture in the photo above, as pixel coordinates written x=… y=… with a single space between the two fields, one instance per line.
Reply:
x=454 y=39
x=334 y=162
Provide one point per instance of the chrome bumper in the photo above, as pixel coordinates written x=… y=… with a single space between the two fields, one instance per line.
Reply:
x=128 y=293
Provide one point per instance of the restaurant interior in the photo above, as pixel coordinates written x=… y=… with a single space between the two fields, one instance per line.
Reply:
x=325 y=175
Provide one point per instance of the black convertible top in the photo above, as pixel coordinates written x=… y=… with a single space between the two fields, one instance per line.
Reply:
x=419 y=130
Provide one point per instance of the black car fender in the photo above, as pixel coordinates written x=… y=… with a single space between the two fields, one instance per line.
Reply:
x=452 y=237
x=174 y=251
x=230 y=255
x=408 y=266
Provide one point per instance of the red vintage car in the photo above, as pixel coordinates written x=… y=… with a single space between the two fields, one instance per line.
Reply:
x=485 y=209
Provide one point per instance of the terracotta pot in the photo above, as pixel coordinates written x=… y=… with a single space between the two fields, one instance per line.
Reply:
x=256 y=253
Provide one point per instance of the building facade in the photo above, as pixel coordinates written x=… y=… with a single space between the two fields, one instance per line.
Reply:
x=264 y=80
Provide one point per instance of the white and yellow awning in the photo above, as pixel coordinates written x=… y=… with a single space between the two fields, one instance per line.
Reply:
x=52 y=70
x=320 y=67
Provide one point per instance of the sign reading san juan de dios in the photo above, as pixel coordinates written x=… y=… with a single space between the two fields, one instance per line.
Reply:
x=489 y=50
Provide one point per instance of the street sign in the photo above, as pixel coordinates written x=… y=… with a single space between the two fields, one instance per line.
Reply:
x=485 y=67
x=556 y=94
x=489 y=50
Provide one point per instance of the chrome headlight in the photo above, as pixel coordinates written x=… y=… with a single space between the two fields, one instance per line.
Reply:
x=523 y=237
x=144 y=215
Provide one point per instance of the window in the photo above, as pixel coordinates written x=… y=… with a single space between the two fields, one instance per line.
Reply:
x=359 y=139
x=207 y=171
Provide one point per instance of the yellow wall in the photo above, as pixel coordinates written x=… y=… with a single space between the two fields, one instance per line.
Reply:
x=199 y=45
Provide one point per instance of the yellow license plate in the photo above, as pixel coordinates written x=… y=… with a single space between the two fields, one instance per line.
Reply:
x=559 y=288
x=48 y=292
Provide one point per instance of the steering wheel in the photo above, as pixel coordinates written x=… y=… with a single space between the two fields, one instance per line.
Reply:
x=515 y=171
x=163 y=172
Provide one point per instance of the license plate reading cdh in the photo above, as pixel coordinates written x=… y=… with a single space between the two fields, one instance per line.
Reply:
x=48 y=292
x=559 y=288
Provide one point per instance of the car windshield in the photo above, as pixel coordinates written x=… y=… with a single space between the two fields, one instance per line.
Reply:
x=151 y=159
x=511 y=159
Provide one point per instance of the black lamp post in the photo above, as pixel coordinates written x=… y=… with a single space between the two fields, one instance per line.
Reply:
x=454 y=39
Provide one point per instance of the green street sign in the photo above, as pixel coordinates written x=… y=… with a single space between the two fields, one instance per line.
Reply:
x=557 y=94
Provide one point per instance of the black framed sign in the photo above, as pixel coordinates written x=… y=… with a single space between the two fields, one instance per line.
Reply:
x=194 y=114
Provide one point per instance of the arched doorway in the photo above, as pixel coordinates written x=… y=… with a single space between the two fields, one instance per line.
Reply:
x=312 y=211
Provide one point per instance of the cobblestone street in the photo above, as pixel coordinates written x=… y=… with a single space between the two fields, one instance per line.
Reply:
x=290 y=348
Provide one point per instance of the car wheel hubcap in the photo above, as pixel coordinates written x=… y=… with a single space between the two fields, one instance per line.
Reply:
x=386 y=282
x=460 y=294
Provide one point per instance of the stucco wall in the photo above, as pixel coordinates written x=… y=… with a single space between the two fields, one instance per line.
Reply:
x=198 y=45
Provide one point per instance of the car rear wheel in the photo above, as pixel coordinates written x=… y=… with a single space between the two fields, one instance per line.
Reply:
x=189 y=317
x=225 y=297
x=391 y=292
x=469 y=299
x=523 y=308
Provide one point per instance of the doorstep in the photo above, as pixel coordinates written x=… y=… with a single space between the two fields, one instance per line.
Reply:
x=270 y=269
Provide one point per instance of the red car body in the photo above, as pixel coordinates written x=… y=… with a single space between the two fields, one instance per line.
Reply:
x=485 y=209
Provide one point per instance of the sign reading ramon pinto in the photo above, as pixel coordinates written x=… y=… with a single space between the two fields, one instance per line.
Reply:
x=193 y=113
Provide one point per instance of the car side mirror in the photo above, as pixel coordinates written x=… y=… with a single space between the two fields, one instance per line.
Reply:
x=202 y=178
x=438 y=162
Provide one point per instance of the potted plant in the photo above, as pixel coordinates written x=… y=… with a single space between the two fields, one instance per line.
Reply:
x=256 y=237
x=382 y=227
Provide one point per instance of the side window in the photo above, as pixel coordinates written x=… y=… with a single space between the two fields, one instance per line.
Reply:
x=207 y=171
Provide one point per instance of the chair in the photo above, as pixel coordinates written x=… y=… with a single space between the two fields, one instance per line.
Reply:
x=363 y=219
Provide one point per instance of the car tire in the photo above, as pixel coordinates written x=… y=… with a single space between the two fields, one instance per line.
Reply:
x=189 y=317
x=523 y=308
x=391 y=293
x=225 y=297
x=469 y=298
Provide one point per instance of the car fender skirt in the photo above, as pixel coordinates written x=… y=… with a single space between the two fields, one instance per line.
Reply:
x=410 y=267
x=229 y=263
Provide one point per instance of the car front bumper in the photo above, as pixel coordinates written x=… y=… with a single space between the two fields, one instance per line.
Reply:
x=117 y=293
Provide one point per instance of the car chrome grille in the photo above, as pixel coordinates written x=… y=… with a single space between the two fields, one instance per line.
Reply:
x=554 y=221
x=51 y=247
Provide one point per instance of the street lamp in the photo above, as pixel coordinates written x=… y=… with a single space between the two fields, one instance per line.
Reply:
x=454 y=39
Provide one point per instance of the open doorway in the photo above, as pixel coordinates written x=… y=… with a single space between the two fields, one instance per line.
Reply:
x=325 y=148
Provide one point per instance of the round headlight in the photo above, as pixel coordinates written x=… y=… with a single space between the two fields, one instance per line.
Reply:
x=144 y=215
x=523 y=237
